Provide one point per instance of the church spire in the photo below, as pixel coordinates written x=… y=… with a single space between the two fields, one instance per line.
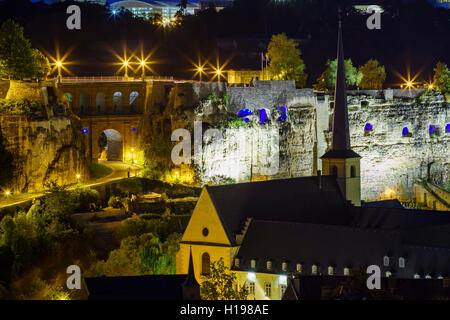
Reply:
x=341 y=135
x=190 y=279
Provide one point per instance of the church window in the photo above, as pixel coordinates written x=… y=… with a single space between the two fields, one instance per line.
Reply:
x=253 y=264
x=268 y=289
x=269 y=265
x=284 y=266
x=346 y=271
x=368 y=127
x=330 y=270
x=282 y=290
x=401 y=262
x=386 y=261
x=352 y=171
x=205 y=232
x=299 y=267
x=334 y=171
x=251 y=288
x=314 y=269
x=205 y=263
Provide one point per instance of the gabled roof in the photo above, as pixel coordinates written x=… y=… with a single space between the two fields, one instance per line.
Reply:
x=151 y=287
x=289 y=200
x=308 y=244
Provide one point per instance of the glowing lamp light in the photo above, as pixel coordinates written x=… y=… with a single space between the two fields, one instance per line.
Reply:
x=59 y=63
x=85 y=130
x=78 y=176
x=132 y=149
x=447 y=128
x=135 y=161
x=199 y=69
x=114 y=12
x=125 y=63
x=133 y=129
x=251 y=276
x=430 y=86
x=142 y=63
x=283 y=113
x=218 y=71
x=409 y=83
x=7 y=193
x=283 y=279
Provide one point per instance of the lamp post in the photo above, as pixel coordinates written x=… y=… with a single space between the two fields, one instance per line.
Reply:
x=200 y=70
x=219 y=73
x=143 y=69
x=125 y=64
x=59 y=65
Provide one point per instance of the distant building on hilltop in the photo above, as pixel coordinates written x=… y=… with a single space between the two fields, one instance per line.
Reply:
x=100 y=2
x=147 y=9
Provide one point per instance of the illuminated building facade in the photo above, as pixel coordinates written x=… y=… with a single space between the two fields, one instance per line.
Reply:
x=100 y=2
x=147 y=9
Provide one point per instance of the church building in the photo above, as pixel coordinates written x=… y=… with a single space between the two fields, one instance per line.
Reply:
x=269 y=231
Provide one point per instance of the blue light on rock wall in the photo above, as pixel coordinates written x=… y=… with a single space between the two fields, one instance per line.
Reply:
x=447 y=128
x=244 y=112
x=262 y=116
x=283 y=114
x=134 y=129
x=246 y=120
x=405 y=131
x=432 y=129
x=368 y=127
x=85 y=130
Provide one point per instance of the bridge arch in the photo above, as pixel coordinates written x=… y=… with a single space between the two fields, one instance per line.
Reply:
x=100 y=102
x=117 y=102
x=85 y=101
x=134 y=102
x=110 y=143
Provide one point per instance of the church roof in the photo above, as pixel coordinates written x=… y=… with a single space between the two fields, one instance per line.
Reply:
x=150 y=287
x=295 y=200
x=309 y=244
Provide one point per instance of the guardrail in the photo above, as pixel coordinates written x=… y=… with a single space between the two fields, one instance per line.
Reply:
x=111 y=79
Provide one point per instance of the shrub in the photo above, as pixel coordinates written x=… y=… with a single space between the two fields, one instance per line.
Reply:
x=114 y=202
x=20 y=107
x=86 y=198
x=129 y=186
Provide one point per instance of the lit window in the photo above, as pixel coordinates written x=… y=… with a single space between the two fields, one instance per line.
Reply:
x=299 y=267
x=386 y=261
x=417 y=276
x=346 y=271
x=388 y=274
x=205 y=263
x=284 y=266
x=283 y=279
x=314 y=269
x=236 y=262
x=251 y=288
x=253 y=264
x=330 y=270
x=269 y=265
x=268 y=290
x=282 y=290
x=427 y=276
x=401 y=262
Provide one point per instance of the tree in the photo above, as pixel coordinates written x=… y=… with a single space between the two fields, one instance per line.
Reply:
x=285 y=62
x=441 y=78
x=219 y=284
x=327 y=79
x=41 y=65
x=16 y=55
x=373 y=75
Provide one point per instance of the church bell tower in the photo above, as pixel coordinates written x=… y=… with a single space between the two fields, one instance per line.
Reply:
x=341 y=161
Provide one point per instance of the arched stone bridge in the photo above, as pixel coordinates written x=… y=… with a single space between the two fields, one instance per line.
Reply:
x=110 y=114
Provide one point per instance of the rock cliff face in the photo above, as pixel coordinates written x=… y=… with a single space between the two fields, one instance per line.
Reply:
x=391 y=157
x=43 y=151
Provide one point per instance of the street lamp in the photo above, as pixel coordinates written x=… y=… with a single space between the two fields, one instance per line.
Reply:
x=7 y=193
x=59 y=65
x=143 y=63
x=125 y=65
